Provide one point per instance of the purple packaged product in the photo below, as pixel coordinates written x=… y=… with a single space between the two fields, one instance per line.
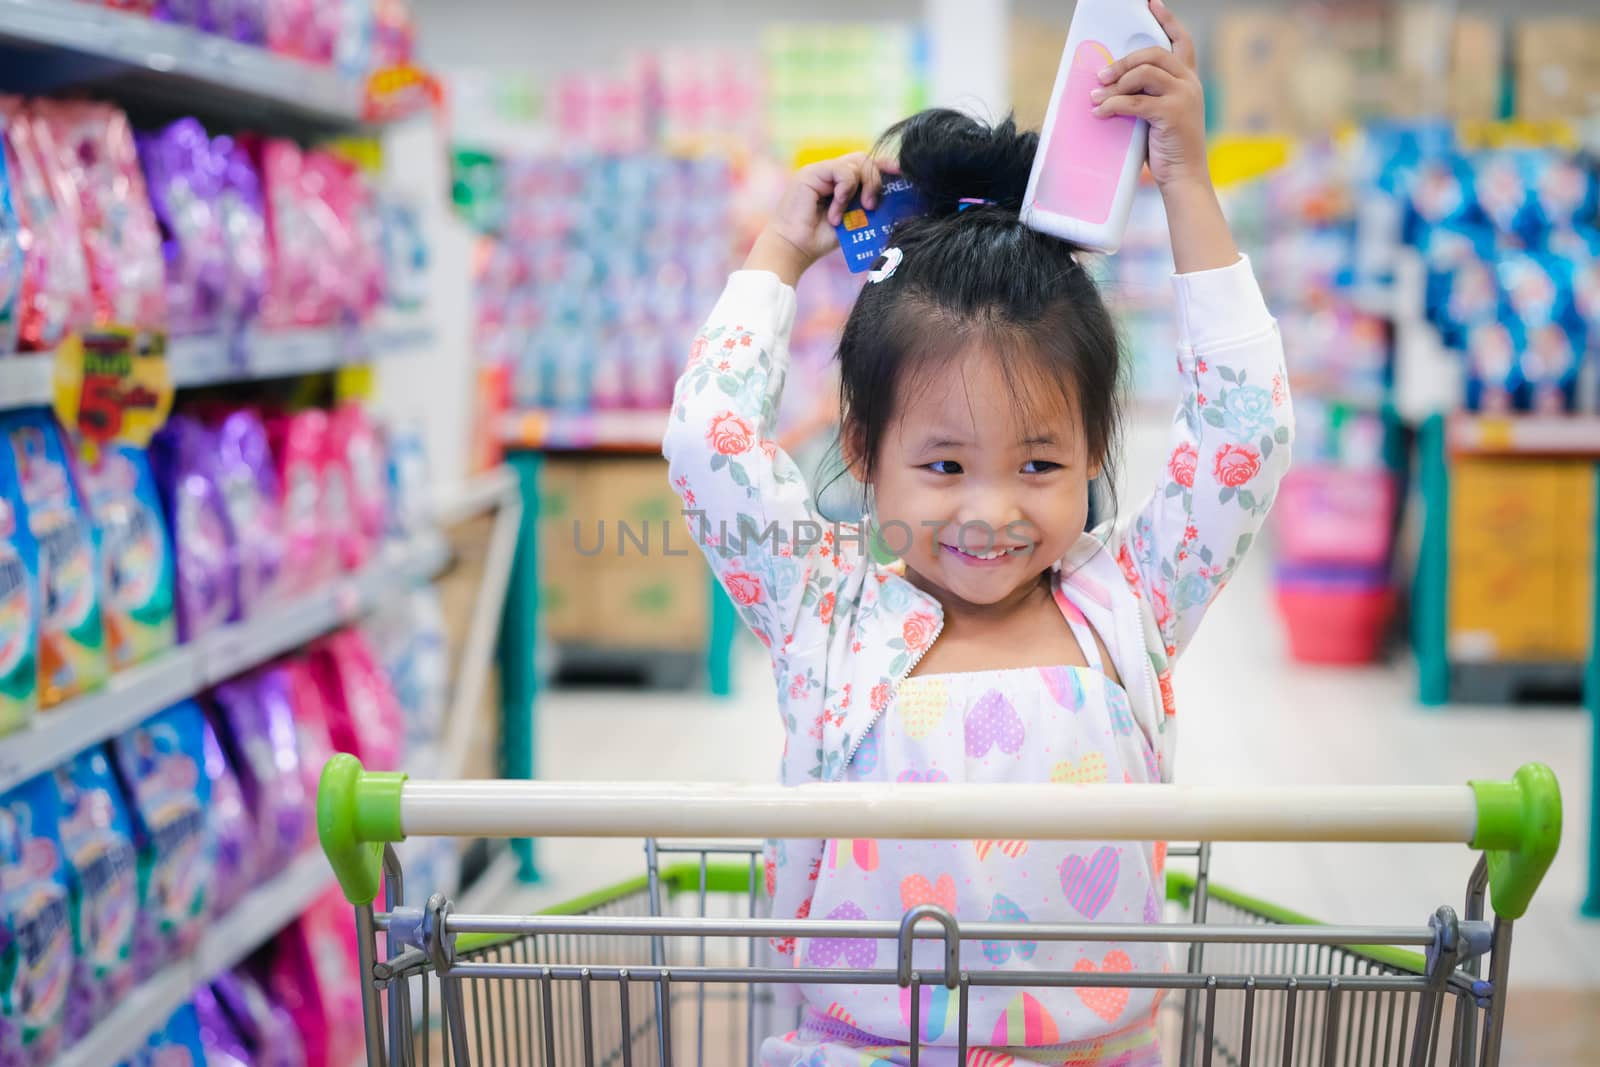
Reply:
x=249 y=482
x=267 y=1029
x=221 y=1041
x=184 y=177
x=242 y=213
x=182 y=12
x=257 y=714
x=230 y=825
x=183 y=454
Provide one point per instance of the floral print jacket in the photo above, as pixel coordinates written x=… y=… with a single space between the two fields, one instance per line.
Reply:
x=844 y=629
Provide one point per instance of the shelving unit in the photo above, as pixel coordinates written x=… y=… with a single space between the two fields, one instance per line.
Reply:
x=229 y=939
x=588 y=431
x=56 y=44
x=131 y=696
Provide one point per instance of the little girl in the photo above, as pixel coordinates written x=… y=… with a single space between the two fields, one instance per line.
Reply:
x=980 y=374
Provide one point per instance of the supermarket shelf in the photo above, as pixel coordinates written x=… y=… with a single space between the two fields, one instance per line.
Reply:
x=227 y=940
x=58 y=44
x=482 y=493
x=608 y=431
x=133 y=695
x=1524 y=435
x=26 y=378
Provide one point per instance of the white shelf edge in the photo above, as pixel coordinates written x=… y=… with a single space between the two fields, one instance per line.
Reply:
x=183 y=55
x=27 y=378
x=131 y=696
x=481 y=493
x=227 y=940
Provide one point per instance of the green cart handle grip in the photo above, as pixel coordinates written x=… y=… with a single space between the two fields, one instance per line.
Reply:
x=1519 y=830
x=358 y=812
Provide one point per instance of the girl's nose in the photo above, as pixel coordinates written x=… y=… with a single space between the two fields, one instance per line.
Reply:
x=991 y=510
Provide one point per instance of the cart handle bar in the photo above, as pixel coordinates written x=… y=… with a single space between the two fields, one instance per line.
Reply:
x=1517 y=823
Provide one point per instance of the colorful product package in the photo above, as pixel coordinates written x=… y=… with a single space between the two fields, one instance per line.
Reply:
x=299 y=443
x=364 y=716
x=1501 y=183
x=1562 y=191
x=316 y=976
x=36 y=939
x=176 y=1044
x=405 y=255
x=409 y=503
x=184 y=456
x=416 y=659
x=135 y=559
x=353 y=444
x=242 y=216
x=309 y=253
x=21 y=603
x=184 y=177
x=95 y=152
x=223 y=1044
x=231 y=826
x=11 y=262
x=265 y=1027
x=72 y=645
x=1493 y=376
x=356 y=231
x=54 y=298
x=311 y=716
x=97 y=837
x=257 y=712
x=249 y=482
x=161 y=764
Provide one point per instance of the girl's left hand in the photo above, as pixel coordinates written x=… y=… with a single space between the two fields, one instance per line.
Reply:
x=1163 y=88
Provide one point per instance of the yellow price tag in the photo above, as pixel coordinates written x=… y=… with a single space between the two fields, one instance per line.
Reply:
x=113 y=385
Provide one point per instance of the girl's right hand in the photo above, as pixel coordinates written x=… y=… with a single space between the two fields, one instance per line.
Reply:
x=813 y=203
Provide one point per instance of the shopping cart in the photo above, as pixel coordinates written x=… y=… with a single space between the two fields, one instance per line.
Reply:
x=673 y=968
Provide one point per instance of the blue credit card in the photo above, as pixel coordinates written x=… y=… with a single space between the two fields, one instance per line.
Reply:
x=865 y=234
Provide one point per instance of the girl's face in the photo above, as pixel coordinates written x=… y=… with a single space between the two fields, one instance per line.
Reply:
x=976 y=493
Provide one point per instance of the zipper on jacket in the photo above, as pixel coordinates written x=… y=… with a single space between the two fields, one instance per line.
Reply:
x=862 y=738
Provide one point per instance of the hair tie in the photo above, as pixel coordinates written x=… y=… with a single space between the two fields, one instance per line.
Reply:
x=891 y=261
x=972 y=201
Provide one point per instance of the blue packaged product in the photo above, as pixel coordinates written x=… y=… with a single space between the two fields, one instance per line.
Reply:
x=20 y=604
x=1444 y=249
x=1562 y=192
x=138 y=569
x=1537 y=288
x=36 y=940
x=1548 y=365
x=1493 y=374
x=1502 y=186
x=97 y=837
x=176 y=1044
x=161 y=764
x=72 y=638
x=10 y=265
x=1441 y=192
x=1472 y=297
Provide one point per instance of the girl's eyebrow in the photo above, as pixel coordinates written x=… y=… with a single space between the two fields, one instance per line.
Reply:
x=943 y=442
x=1041 y=439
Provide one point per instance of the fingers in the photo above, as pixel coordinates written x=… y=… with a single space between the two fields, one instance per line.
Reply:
x=846 y=173
x=1148 y=79
x=871 y=184
x=1182 y=43
x=1154 y=56
x=1138 y=106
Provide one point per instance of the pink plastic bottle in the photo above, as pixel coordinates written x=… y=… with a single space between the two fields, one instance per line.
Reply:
x=1087 y=167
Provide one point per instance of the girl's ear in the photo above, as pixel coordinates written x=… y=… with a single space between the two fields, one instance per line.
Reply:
x=852 y=446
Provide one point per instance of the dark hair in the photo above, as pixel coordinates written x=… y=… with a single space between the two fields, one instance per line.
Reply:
x=977 y=275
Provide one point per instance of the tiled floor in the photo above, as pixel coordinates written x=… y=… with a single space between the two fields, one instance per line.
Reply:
x=1247 y=715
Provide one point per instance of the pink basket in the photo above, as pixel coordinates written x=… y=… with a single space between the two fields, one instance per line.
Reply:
x=1333 y=515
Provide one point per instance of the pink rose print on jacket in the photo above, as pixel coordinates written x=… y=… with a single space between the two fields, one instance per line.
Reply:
x=1236 y=465
x=730 y=435
x=918 y=631
x=880 y=696
x=744 y=588
x=825 y=609
x=1181 y=465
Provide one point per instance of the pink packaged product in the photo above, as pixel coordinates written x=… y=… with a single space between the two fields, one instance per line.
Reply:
x=358 y=235
x=354 y=446
x=257 y=714
x=365 y=717
x=95 y=152
x=248 y=479
x=184 y=177
x=55 y=297
x=231 y=827
x=299 y=443
x=306 y=264
x=184 y=456
x=311 y=717
x=316 y=976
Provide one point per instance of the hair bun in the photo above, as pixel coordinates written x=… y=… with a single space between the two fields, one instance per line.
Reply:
x=950 y=156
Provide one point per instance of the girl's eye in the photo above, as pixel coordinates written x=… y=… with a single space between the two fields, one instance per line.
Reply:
x=1040 y=466
x=945 y=466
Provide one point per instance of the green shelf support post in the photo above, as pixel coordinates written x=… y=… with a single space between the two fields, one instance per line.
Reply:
x=719 y=650
x=1430 y=594
x=1591 y=701
x=519 y=648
